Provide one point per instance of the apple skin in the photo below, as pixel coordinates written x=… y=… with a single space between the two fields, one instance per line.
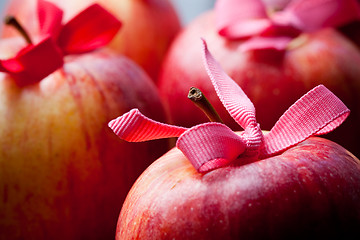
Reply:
x=272 y=81
x=310 y=190
x=63 y=173
x=149 y=26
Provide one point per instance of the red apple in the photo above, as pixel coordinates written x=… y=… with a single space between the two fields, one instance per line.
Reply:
x=62 y=171
x=149 y=26
x=324 y=56
x=282 y=184
x=308 y=191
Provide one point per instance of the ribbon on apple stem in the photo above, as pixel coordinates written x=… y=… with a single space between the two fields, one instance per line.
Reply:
x=213 y=145
x=92 y=28
x=264 y=29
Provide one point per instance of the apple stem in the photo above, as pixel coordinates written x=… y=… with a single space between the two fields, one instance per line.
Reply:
x=12 y=21
x=199 y=99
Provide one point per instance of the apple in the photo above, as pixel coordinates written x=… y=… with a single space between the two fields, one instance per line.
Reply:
x=324 y=56
x=62 y=171
x=149 y=26
x=217 y=184
x=308 y=191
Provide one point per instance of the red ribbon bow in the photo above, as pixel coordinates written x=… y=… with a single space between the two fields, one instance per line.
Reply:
x=213 y=145
x=92 y=28
x=249 y=19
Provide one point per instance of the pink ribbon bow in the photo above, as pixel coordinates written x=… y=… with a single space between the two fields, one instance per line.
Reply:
x=213 y=145
x=249 y=19
x=92 y=28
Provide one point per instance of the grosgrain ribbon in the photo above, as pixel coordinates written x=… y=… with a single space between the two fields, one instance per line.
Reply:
x=92 y=28
x=213 y=145
x=251 y=20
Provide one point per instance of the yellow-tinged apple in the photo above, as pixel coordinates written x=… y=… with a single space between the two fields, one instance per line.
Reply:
x=63 y=173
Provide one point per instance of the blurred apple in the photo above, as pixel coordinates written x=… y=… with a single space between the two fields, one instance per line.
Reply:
x=62 y=171
x=320 y=57
x=149 y=26
x=310 y=190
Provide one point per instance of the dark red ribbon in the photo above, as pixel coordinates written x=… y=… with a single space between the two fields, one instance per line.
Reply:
x=92 y=28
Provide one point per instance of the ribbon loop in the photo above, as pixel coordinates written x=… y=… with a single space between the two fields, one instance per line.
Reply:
x=317 y=112
x=50 y=18
x=92 y=28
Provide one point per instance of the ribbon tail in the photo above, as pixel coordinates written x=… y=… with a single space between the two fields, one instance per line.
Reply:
x=133 y=126
x=317 y=112
x=211 y=145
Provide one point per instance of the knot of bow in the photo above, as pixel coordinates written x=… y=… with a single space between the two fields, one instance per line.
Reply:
x=213 y=145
